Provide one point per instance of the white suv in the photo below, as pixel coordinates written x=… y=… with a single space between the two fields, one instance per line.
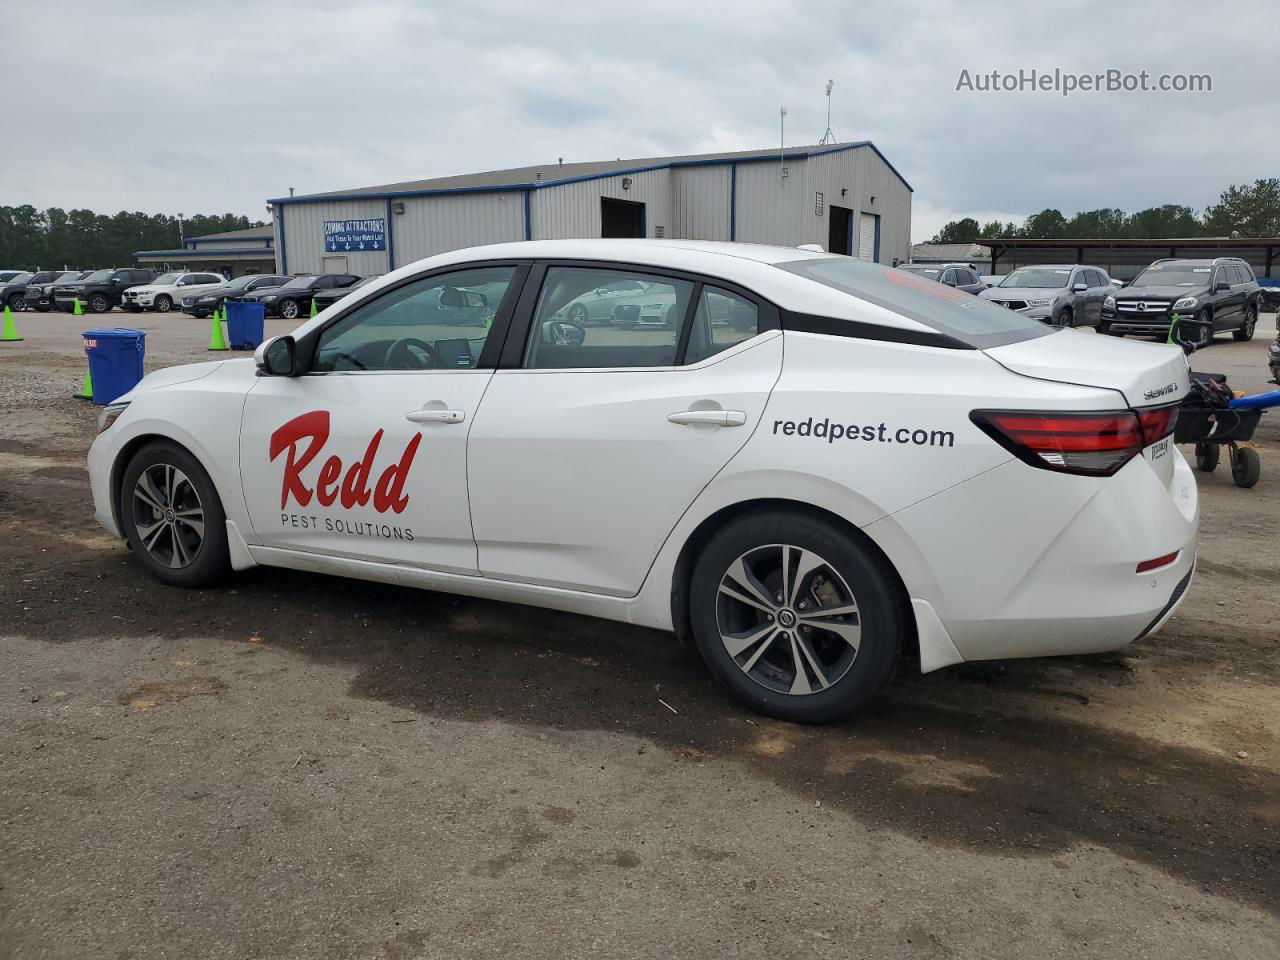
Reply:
x=168 y=289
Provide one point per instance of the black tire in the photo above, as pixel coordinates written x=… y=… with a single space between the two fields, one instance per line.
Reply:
x=17 y=303
x=1204 y=330
x=1245 y=332
x=1066 y=319
x=208 y=561
x=1207 y=455
x=578 y=315
x=1246 y=467
x=163 y=303
x=289 y=309
x=98 y=303
x=856 y=674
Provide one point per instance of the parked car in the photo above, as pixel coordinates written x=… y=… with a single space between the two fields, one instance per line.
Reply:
x=167 y=290
x=327 y=298
x=293 y=299
x=1269 y=288
x=7 y=275
x=203 y=304
x=39 y=292
x=1219 y=294
x=990 y=279
x=100 y=290
x=878 y=472
x=1056 y=294
x=962 y=276
x=13 y=291
x=596 y=307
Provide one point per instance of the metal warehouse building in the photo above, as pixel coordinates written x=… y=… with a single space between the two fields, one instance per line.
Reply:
x=231 y=254
x=846 y=197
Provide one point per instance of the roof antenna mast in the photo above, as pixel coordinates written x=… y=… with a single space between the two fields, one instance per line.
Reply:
x=828 y=137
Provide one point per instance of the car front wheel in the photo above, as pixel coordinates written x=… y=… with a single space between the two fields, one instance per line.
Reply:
x=172 y=517
x=798 y=620
x=1246 y=329
x=98 y=303
x=289 y=309
x=163 y=304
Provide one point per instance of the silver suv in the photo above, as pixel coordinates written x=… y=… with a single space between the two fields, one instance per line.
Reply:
x=1061 y=295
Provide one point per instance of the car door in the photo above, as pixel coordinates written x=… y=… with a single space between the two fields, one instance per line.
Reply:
x=1226 y=313
x=591 y=442
x=364 y=455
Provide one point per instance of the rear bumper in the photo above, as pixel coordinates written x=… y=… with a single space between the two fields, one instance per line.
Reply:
x=1061 y=579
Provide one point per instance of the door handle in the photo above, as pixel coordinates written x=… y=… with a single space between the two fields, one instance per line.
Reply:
x=718 y=418
x=435 y=416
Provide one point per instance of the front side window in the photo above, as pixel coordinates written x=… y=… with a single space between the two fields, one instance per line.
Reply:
x=721 y=320
x=436 y=323
x=589 y=318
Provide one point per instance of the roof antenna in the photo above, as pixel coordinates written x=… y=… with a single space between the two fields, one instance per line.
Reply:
x=828 y=137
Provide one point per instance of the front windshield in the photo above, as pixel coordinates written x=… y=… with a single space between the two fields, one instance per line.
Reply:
x=21 y=278
x=971 y=320
x=1173 y=275
x=298 y=283
x=166 y=278
x=1039 y=277
x=100 y=275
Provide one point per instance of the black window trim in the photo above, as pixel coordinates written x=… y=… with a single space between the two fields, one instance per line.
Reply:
x=306 y=345
x=769 y=316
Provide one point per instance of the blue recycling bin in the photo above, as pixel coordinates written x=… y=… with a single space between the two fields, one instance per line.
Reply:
x=244 y=324
x=115 y=360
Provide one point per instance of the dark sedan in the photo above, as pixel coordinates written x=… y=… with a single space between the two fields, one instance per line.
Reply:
x=202 y=305
x=293 y=300
x=327 y=298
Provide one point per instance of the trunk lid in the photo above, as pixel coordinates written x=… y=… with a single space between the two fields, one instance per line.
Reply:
x=1145 y=374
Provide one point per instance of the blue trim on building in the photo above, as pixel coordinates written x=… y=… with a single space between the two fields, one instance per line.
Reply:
x=208 y=253
x=391 y=240
x=876 y=255
x=283 y=258
x=528 y=215
x=733 y=201
x=221 y=238
x=540 y=184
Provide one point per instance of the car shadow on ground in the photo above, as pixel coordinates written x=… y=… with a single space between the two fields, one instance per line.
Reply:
x=940 y=758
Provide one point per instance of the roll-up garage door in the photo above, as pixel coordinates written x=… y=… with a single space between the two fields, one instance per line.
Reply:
x=868 y=239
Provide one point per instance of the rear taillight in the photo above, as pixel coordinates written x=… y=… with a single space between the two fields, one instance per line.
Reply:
x=1094 y=444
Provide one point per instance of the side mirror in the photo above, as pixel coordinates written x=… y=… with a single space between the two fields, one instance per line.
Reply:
x=563 y=334
x=1220 y=286
x=276 y=357
x=1080 y=288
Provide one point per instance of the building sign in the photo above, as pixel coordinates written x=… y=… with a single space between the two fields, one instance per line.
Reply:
x=346 y=235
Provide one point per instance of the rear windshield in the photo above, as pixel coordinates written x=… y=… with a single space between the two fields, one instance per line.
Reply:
x=969 y=319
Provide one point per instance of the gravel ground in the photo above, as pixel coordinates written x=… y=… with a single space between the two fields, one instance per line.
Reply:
x=301 y=766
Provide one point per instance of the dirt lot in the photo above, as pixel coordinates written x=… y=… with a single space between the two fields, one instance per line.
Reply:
x=297 y=766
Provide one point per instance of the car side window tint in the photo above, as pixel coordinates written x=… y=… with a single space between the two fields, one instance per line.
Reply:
x=1246 y=273
x=720 y=320
x=590 y=318
x=436 y=323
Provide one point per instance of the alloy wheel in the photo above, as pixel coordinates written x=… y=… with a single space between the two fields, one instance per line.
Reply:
x=168 y=515
x=289 y=310
x=788 y=619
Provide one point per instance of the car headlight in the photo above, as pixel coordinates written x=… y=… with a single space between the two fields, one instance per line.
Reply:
x=270 y=299
x=110 y=413
x=1040 y=302
x=1186 y=303
x=1109 y=303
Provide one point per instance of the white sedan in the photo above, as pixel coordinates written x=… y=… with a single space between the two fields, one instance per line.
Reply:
x=876 y=470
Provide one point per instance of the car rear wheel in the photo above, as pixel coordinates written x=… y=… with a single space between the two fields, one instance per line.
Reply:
x=163 y=304
x=98 y=303
x=289 y=309
x=172 y=517
x=798 y=620
x=1246 y=329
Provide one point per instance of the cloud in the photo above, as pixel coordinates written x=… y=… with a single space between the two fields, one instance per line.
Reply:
x=172 y=107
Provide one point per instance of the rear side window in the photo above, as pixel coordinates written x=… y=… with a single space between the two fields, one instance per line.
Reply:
x=1246 y=273
x=588 y=318
x=720 y=320
x=973 y=321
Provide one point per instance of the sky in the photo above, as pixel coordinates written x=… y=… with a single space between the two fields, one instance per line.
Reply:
x=215 y=107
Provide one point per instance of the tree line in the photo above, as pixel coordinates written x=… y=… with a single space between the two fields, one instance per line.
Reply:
x=50 y=239
x=1252 y=210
